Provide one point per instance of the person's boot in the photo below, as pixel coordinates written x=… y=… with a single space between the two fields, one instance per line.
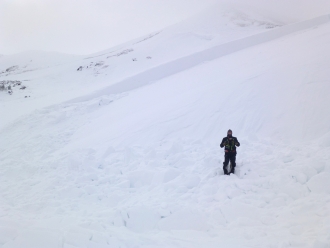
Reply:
x=232 y=170
x=225 y=171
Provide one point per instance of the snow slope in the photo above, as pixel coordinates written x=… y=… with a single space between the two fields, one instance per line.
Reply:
x=140 y=165
x=52 y=78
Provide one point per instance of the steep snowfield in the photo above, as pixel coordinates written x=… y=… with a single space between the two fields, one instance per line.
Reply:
x=52 y=78
x=138 y=163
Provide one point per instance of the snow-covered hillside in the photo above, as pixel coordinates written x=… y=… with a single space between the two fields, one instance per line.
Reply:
x=52 y=78
x=121 y=148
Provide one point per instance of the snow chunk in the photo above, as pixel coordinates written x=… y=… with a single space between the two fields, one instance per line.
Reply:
x=318 y=165
x=321 y=244
x=7 y=234
x=309 y=171
x=184 y=220
x=142 y=219
x=140 y=178
x=320 y=183
x=325 y=140
x=78 y=239
x=191 y=181
x=35 y=239
x=170 y=174
x=287 y=158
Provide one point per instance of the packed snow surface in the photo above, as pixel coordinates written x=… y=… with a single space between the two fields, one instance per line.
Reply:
x=121 y=148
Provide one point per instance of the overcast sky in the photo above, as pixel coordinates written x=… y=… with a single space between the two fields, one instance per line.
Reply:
x=85 y=26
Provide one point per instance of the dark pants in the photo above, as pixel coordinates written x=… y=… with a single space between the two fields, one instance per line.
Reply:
x=229 y=156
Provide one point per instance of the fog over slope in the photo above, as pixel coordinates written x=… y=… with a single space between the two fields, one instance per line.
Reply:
x=121 y=148
x=91 y=26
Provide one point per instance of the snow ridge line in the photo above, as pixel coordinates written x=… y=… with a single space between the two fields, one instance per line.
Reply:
x=170 y=68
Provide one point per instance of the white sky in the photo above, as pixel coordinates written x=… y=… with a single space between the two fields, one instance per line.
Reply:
x=85 y=26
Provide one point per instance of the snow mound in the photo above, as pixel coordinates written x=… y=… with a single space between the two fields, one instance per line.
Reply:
x=320 y=183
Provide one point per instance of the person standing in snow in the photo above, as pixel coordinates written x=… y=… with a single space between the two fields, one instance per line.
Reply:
x=230 y=144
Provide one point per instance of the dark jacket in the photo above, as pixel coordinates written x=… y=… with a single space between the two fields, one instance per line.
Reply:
x=230 y=144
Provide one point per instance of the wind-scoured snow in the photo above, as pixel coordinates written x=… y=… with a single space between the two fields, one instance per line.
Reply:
x=124 y=152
